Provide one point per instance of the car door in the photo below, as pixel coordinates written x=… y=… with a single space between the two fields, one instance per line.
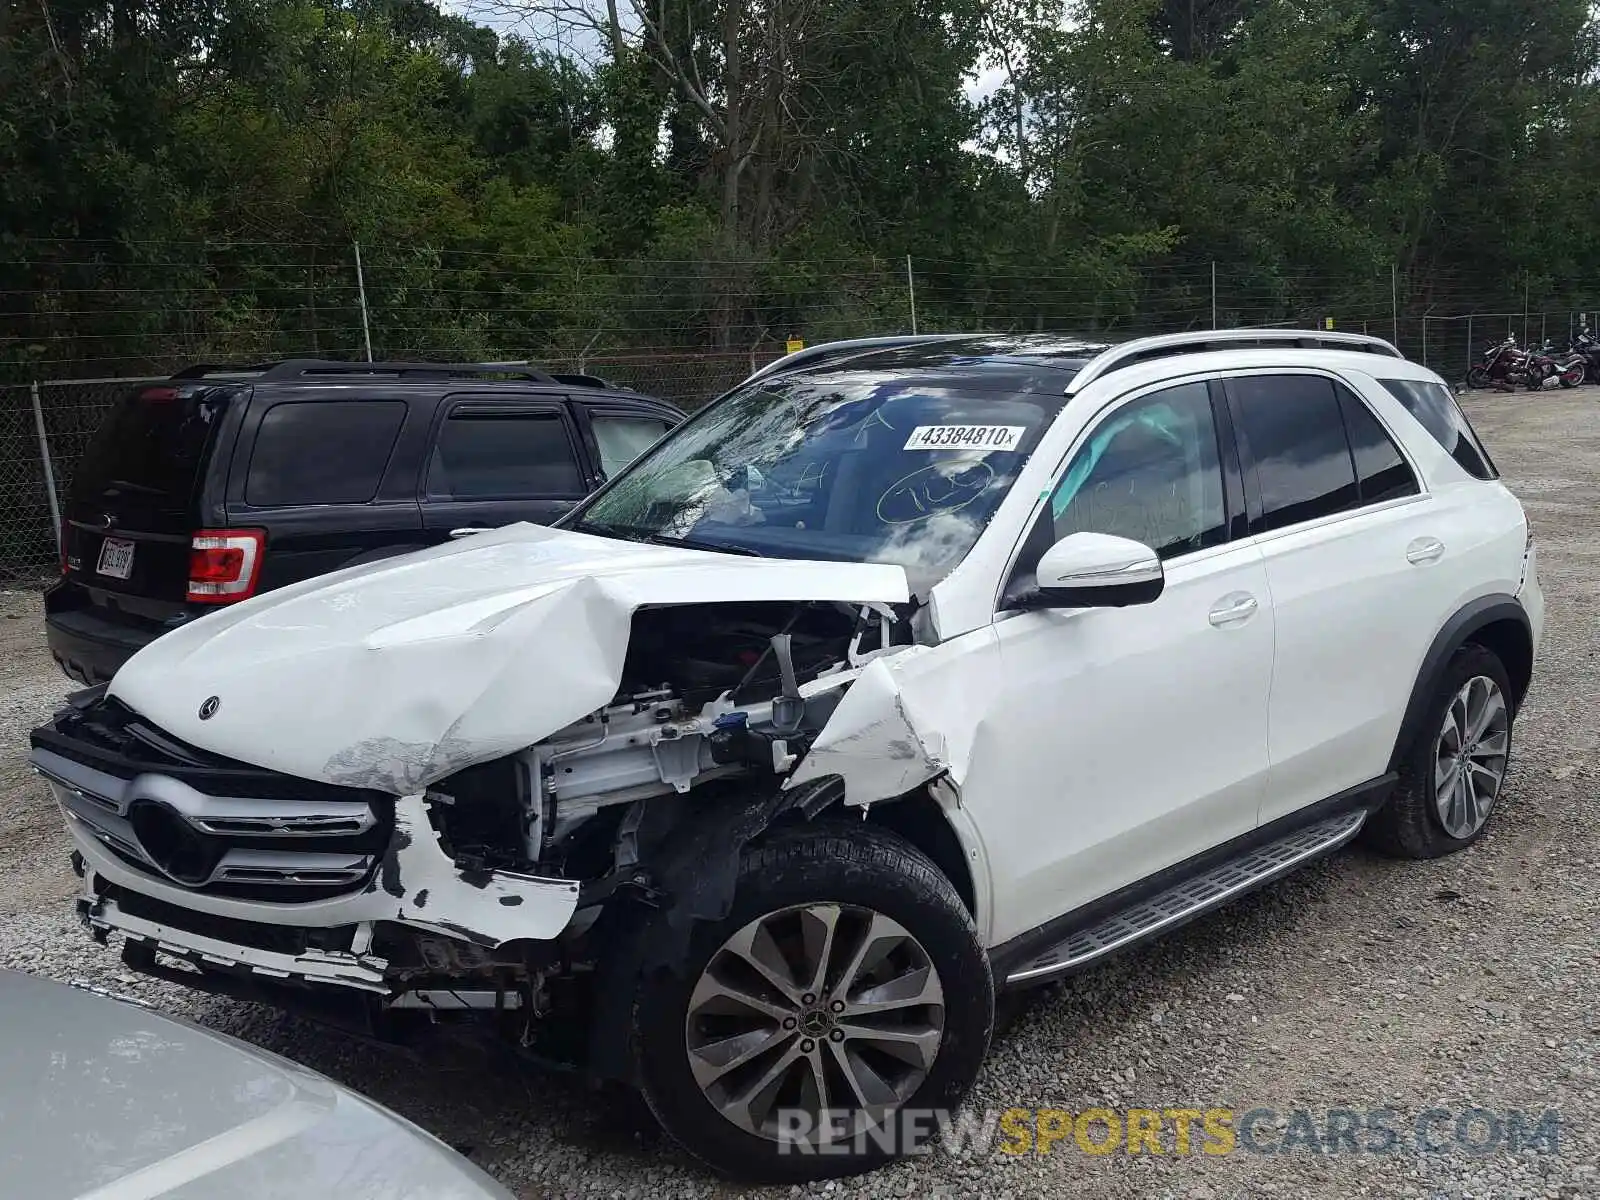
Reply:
x=1126 y=740
x=495 y=461
x=1352 y=558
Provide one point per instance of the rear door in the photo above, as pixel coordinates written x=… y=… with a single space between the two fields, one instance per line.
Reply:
x=1353 y=550
x=499 y=460
x=139 y=492
x=319 y=471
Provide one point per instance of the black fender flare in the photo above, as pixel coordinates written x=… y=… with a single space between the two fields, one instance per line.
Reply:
x=1457 y=632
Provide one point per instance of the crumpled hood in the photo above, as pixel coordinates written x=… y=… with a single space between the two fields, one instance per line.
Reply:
x=396 y=674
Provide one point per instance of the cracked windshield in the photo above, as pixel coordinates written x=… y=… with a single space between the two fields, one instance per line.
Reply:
x=845 y=468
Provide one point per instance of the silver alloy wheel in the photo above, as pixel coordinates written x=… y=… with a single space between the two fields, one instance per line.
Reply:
x=820 y=1008
x=1470 y=757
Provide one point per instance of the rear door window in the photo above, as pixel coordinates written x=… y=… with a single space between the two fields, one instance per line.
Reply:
x=1291 y=428
x=621 y=439
x=322 y=452
x=487 y=455
x=1437 y=411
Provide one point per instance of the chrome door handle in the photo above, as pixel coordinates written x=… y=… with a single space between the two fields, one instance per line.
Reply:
x=1424 y=550
x=1232 y=609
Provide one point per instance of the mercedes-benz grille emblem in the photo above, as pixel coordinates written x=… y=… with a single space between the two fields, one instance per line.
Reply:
x=171 y=844
x=209 y=708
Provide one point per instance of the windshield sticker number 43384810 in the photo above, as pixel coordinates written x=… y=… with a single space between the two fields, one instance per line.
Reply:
x=965 y=437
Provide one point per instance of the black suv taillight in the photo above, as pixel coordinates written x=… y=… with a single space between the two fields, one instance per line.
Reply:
x=224 y=564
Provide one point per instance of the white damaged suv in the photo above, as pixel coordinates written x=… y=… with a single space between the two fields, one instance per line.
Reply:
x=909 y=672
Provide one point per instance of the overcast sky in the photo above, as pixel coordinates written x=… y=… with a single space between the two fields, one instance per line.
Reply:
x=533 y=22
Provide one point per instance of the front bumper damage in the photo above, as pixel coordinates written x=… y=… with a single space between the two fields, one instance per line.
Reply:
x=415 y=885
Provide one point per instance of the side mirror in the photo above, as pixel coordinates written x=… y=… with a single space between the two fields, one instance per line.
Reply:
x=1097 y=570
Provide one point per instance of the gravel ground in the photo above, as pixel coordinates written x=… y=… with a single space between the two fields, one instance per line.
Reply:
x=1358 y=984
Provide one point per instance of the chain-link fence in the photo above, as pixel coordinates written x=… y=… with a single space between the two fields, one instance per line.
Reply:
x=1451 y=344
x=44 y=428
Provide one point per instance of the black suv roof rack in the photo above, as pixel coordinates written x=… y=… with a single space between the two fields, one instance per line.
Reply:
x=312 y=368
x=1141 y=350
x=315 y=367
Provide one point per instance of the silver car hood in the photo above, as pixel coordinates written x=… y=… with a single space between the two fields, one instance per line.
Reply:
x=106 y=1100
x=397 y=674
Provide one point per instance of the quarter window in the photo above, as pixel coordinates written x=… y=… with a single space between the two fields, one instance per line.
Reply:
x=322 y=452
x=1149 y=472
x=512 y=456
x=1291 y=428
x=623 y=439
x=1437 y=411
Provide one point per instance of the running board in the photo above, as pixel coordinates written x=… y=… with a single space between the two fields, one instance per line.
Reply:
x=1191 y=898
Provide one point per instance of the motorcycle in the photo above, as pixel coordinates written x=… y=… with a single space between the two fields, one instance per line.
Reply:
x=1502 y=365
x=1585 y=343
x=1548 y=368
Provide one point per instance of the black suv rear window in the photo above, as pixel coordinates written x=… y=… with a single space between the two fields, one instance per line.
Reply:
x=150 y=450
x=322 y=452
x=483 y=456
x=1437 y=410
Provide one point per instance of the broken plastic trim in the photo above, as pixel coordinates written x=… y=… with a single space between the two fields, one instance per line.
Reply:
x=416 y=884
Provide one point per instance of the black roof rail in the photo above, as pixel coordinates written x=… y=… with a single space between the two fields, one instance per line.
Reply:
x=312 y=368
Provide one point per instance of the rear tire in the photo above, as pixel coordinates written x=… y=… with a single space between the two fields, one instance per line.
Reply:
x=1452 y=778
x=870 y=917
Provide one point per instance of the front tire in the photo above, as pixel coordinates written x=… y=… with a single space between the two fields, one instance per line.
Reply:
x=1478 y=377
x=1452 y=777
x=821 y=1027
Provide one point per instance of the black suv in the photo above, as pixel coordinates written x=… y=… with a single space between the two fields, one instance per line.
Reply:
x=219 y=483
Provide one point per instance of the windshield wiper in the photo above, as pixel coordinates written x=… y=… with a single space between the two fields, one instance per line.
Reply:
x=637 y=533
x=662 y=539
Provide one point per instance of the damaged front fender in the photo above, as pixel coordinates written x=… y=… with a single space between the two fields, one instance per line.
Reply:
x=908 y=718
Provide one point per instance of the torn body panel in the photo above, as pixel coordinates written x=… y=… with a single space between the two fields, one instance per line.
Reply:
x=416 y=884
x=396 y=674
x=909 y=717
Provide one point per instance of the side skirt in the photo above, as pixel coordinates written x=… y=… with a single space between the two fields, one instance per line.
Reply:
x=1188 y=890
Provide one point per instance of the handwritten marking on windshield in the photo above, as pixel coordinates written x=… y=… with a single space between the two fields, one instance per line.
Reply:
x=933 y=489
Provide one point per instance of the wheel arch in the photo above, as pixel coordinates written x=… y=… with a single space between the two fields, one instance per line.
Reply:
x=697 y=861
x=1498 y=623
x=923 y=820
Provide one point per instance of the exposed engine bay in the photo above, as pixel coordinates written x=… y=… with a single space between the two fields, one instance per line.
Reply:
x=708 y=694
